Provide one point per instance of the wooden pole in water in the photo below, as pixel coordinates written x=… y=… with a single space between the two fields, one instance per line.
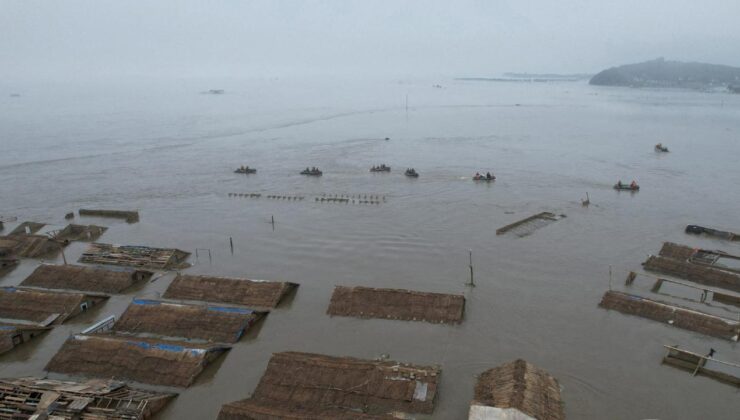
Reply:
x=470 y=255
x=272 y=221
x=64 y=257
x=231 y=243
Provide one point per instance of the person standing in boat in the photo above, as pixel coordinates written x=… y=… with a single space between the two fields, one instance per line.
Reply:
x=489 y=176
x=633 y=185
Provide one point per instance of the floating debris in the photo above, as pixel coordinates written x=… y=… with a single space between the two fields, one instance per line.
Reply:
x=705 y=365
x=315 y=386
x=90 y=279
x=527 y=226
x=169 y=363
x=516 y=390
x=186 y=321
x=134 y=256
x=408 y=305
x=677 y=316
x=250 y=293
x=35 y=398
x=128 y=216
x=44 y=307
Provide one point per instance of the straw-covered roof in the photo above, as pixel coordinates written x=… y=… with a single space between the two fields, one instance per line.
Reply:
x=133 y=256
x=251 y=293
x=366 y=302
x=29 y=246
x=304 y=384
x=252 y=409
x=86 y=278
x=73 y=232
x=138 y=359
x=27 y=228
x=677 y=316
x=43 y=306
x=95 y=399
x=521 y=386
x=201 y=322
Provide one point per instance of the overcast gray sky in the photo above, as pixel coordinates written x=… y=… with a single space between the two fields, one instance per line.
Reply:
x=242 y=38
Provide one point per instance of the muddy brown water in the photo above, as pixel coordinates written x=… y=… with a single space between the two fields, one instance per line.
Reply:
x=170 y=153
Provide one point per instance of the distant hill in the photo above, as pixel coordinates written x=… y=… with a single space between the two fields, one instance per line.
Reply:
x=662 y=73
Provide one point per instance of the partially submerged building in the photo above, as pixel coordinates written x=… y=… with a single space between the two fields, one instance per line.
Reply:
x=516 y=390
x=38 y=399
x=677 y=316
x=312 y=386
x=85 y=278
x=208 y=323
x=697 y=265
x=134 y=256
x=84 y=233
x=127 y=215
x=13 y=335
x=409 y=305
x=44 y=307
x=30 y=246
x=27 y=228
x=138 y=359
x=703 y=364
x=251 y=293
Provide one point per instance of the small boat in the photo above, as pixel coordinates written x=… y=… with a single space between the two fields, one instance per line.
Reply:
x=484 y=178
x=626 y=187
x=245 y=170
x=381 y=168
x=698 y=230
x=311 y=172
x=660 y=148
x=411 y=173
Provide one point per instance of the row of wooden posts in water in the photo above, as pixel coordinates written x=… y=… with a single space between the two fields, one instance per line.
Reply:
x=324 y=198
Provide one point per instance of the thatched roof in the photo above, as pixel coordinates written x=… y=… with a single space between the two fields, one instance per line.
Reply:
x=252 y=409
x=12 y=335
x=87 y=233
x=86 y=278
x=201 y=322
x=680 y=261
x=42 y=306
x=522 y=386
x=95 y=399
x=139 y=359
x=366 y=302
x=251 y=293
x=133 y=256
x=305 y=384
x=27 y=228
x=677 y=316
x=676 y=251
x=29 y=246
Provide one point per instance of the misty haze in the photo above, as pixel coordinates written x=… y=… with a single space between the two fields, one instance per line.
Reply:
x=369 y=209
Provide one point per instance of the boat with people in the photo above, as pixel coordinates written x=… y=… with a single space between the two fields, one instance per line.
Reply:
x=380 y=168
x=619 y=186
x=245 y=170
x=411 y=173
x=488 y=177
x=314 y=171
x=660 y=148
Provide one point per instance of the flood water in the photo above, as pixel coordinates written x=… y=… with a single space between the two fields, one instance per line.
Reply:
x=169 y=152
